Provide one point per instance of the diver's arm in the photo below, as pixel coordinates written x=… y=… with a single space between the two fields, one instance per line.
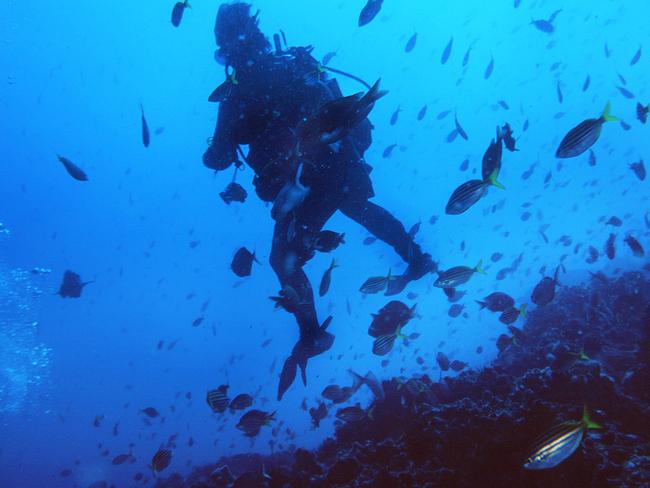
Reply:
x=223 y=150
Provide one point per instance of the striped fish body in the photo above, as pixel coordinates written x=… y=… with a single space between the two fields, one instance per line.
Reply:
x=555 y=446
x=465 y=196
x=218 y=399
x=580 y=138
x=351 y=414
x=454 y=277
x=161 y=460
x=383 y=345
x=374 y=285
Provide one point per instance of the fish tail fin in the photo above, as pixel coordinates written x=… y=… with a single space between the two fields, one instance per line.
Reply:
x=343 y=238
x=583 y=355
x=479 y=268
x=607 y=116
x=390 y=274
x=482 y=304
x=586 y=420
x=270 y=417
x=370 y=413
x=492 y=180
x=522 y=310
x=374 y=93
x=187 y=4
x=334 y=264
x=357 y=380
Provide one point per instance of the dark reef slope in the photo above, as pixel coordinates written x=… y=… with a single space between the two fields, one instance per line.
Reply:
x=474 y=430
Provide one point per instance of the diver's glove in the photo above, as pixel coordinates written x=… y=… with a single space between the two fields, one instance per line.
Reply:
x=307 y=347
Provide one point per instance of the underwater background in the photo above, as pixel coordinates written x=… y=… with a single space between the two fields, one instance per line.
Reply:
x=165 y=319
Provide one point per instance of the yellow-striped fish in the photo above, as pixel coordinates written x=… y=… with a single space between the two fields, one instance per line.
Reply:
x=376 y=284
x=557 y=445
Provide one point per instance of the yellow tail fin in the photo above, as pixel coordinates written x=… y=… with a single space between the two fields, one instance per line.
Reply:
x=479 y=269
x=492 y=179
x=607 y=116
x=587 y=422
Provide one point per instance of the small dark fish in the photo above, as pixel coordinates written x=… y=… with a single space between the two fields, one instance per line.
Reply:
x=352 y=414
x=489 y=69
x=234 y=192
x=218 y=399
x=511 y=314
x=610 y=246
x=395 y=116
x=497 y=302
x=411 y=43
x=73 y=170
x=459 y=128
x=452 y=136
x=464 y=165
x=559 y=443
x=177 y=12
x=457 y=276
x=97 y=422
x=72 y=286
x=635 y=246
x=328 y=57
x=369 y=12
x=639 y=169
x=369 y=240
x=625 y=92
x=465 y=196
x=457 y=366
x=544 y=291
x=593 y=255
x=636 y=57
x=197 y=321
x=466 y=57
x=121 y=458
x=326 y=279
x=318 y=414
x=443 y=115
x=328 y=240
x=587 y=82
x=492 y=158
x=241 y=401
x=625 y=126
x=496 y=257
x=455 y=310
x=544 y=26
x=422 y=113
x=583 y=136
x=443 y=361
x=161 y=460
x=146 y=138
x=447 y=52
x=560 y=96
x=252 y=421
x=642 y=112
x=222 y=92
x=592 y=158
x=388 y=151
x=607 y=51
x=150 y=412
x=504 y=105
x=65 y=473
x=376 y=284
x=242 y=262
x=614 y=221
x=413 y=231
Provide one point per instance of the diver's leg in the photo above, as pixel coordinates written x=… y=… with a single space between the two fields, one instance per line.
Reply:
x=382 y=224
x=287 y=264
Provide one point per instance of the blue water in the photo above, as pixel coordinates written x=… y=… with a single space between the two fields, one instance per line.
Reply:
x=73 y=76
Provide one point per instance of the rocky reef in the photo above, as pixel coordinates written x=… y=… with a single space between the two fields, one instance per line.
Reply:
x=590 y=346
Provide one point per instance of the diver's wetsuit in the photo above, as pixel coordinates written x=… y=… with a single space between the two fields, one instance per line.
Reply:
x=265 y=105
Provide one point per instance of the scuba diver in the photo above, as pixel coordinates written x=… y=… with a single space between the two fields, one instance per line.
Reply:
x=306 y=144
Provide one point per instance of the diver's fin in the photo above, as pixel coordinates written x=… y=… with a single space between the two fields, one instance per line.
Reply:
x=302 y=362
x=287 y=376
